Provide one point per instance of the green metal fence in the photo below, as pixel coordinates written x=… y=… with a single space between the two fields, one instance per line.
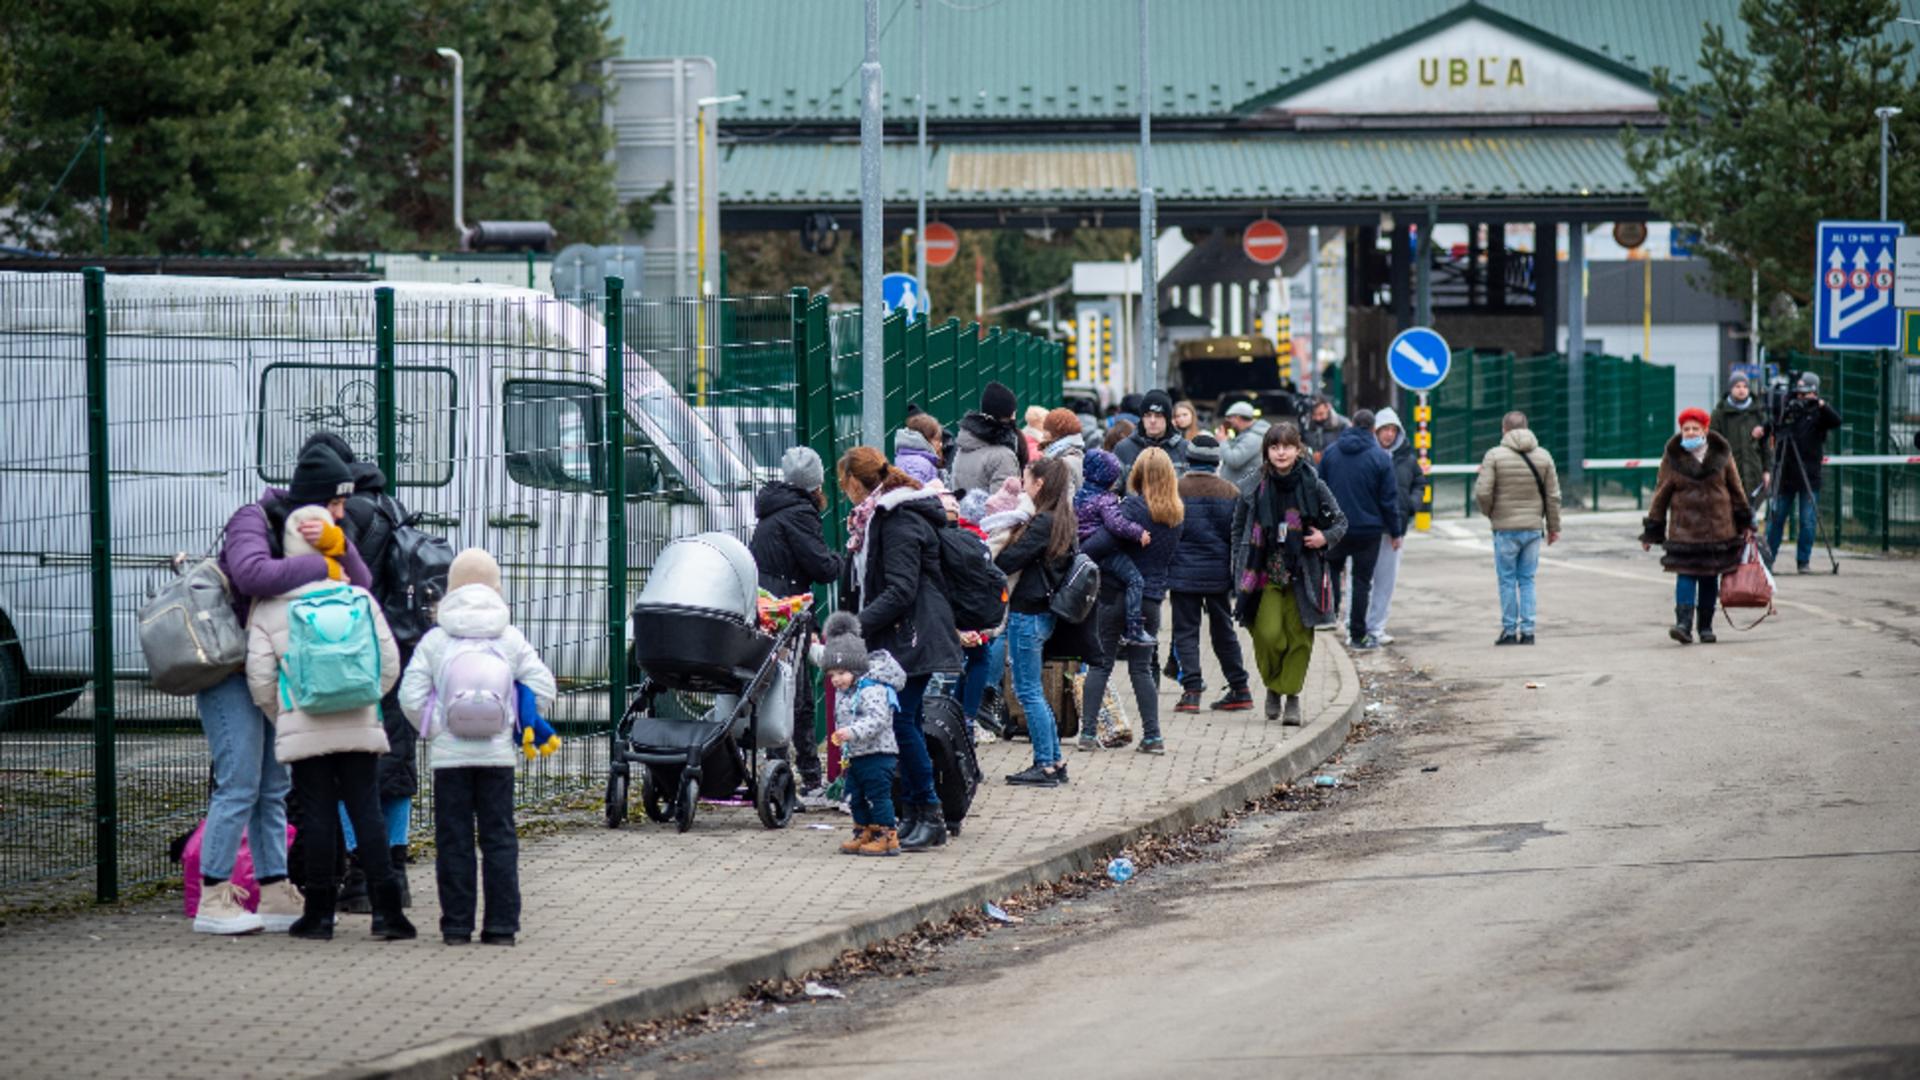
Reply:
x=1878 y=398
x=142 y=413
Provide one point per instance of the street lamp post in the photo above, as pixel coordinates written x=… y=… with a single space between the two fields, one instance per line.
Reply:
x=873 y=386
x=920 y=158
x=1149 y=354
x=459 y=142
x=1885 y=113
x=700 y=108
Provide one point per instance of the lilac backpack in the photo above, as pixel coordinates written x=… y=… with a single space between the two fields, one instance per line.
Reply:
x=474 y=693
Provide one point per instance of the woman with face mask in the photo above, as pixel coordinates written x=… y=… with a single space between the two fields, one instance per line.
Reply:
x=1700 y=515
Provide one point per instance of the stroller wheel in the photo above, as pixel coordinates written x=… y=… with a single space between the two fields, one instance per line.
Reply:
x=775 y=796
x=655 y=790
x=689 y=800
x=616 y=798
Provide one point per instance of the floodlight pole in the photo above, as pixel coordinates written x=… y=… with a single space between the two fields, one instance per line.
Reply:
x=459 y=143
x=873 y=386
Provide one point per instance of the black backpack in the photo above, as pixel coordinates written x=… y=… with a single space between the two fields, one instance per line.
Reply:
x=415 y=575
x=976 y=589
x=1078 y=591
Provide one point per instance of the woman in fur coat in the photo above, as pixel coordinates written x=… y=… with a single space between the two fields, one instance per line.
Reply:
x=1701 y=517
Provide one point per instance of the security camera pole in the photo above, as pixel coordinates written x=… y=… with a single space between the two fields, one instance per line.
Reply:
x=873 y=384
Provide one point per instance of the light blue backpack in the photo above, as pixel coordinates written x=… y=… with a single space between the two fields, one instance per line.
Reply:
x=333 y=653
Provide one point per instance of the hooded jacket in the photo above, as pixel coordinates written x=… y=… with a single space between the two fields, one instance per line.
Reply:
x=298 y=735
x=867 y=715
x=908 y=443
x=989 y=451
x=1200 y=564
x=251 y=558
x=894 y=583
x=789 y=544
x=1361 y=477
x=1406 y=478
x=1736 y=426
x=1699 y=512
x=470 y=613
x=1072 y=450
x=1506 y=492
x=1240 y=456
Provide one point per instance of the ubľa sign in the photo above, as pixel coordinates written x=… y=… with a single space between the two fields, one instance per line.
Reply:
x=1473 y=66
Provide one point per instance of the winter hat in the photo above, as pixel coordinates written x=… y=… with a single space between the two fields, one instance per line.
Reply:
x=918 y=467
x=1036 y=415
x=1100 y=470
x=997 y=401
x=332 y=543
x=1156 y=401
x=331 y=441
x=841 y=646
x=473 y=567
x=1203 y=452
x=801 y=467
x=1697 y=415
x=1059 y=424
x=1130 y=404
x=1738 y=377
x=1006 y=498
x=319 y=476
x=1387 y=418
x=1242 y=410
x=1809 y=383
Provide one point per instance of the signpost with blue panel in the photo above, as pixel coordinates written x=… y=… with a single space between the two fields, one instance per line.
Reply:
x=1853 y=286
x=1419 y=359
x=903 y=291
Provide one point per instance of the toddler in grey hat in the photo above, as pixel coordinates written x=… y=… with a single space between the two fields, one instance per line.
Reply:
x=866 y=688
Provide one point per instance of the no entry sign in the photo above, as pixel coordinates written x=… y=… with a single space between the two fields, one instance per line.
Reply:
x=941 y=244
x=1265 y=242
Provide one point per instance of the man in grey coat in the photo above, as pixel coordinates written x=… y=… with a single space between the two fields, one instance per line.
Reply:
x=1240 y=458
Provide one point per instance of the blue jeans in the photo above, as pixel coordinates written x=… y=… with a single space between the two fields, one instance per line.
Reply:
x=1809 y=521
x=250 y=785
x=984 y=665
x=1026 y=637
x=1701 y=590
x=916 y=766
x=1516 y=555
x=399 y=815
x=870 y=789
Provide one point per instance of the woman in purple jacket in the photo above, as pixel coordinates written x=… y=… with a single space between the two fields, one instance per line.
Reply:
x=250 y=785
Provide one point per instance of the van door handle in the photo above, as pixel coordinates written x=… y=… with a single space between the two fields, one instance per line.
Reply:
x=514 y=521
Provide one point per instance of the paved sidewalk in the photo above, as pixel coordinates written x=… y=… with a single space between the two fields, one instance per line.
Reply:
x=639 y=921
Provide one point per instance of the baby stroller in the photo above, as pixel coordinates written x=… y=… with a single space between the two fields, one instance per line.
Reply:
x=696 y=630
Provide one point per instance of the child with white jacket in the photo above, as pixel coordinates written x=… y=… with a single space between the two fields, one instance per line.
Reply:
x=458 y=692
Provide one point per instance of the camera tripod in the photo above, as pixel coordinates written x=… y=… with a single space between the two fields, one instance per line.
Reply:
x=1783 y=447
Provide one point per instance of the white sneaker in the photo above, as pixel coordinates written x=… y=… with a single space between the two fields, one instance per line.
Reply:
x=1383 y=638
x=221 y=912
x=281 y=905
x=983 y=737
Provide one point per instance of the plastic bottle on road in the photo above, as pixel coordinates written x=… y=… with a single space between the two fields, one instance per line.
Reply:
x=1120 y=870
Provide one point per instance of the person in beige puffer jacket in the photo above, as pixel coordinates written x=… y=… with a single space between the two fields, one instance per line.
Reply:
x=1517 y=489
x=333 y=756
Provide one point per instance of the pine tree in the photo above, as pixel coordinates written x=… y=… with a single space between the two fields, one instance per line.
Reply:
x=1777 y=135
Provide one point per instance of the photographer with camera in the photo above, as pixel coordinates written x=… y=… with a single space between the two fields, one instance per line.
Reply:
x=1798 y=428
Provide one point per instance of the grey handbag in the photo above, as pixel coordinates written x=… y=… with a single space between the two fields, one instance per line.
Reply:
x=188 y=630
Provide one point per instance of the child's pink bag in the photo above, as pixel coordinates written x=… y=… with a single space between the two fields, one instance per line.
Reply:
x=242 y=870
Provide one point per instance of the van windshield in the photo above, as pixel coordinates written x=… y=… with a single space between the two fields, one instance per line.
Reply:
x=716 y=464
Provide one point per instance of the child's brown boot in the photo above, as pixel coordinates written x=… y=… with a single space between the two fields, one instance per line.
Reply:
x=861 y=834
x=881 y=842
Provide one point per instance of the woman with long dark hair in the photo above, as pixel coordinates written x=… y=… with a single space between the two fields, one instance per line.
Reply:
x=893 y=582
x=1282 y=528
x=1038 y=554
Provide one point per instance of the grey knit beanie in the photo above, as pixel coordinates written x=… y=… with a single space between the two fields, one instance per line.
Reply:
x=841 y=646
x=801 y=467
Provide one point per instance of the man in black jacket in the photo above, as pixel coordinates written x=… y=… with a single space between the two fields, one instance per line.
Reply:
x=790 y=549
x=1156 y=429
x=1799 y=444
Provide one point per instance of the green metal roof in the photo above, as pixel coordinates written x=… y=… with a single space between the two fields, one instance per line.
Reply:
x=798 y=60
x=1322 y=168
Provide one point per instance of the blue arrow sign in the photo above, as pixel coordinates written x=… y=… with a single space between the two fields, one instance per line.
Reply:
x=1853 y=286
x=899 y=291
x=1418 y=359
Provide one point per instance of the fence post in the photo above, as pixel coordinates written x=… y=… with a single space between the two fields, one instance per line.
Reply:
x=106 y=783
x=383 y=391
x=615 y=324
x=1883 y=440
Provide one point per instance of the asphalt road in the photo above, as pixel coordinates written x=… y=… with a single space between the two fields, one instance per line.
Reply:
x=1656 y=861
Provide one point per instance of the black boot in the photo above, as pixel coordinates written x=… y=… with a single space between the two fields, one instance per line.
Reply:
x=929 y=829
x=1705 y=615
x=398 y=859
x=316 y=918
x=393 y=922
x=1682 y=628
x=353 y=888
x=992 y=715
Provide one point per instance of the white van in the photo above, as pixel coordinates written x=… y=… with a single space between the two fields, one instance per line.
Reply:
x=214 y=383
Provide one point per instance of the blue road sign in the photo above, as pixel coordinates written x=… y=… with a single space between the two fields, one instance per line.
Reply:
x=903 y=291
x=1853 y=286
x=1418 y=359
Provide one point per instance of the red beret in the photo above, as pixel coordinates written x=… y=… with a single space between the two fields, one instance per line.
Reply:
x=1698 y=416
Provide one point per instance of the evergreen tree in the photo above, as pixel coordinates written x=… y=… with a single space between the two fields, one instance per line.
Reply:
x=1777 y=135
x=213 y=144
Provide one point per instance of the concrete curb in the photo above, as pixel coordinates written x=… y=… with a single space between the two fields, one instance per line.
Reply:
x=541 y=1029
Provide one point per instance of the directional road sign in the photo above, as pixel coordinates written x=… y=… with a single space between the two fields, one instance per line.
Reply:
x=1853 y=290
x=899 y=291
x=1418 y=359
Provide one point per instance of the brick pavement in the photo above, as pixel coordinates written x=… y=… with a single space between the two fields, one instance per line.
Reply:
x=606 y=914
